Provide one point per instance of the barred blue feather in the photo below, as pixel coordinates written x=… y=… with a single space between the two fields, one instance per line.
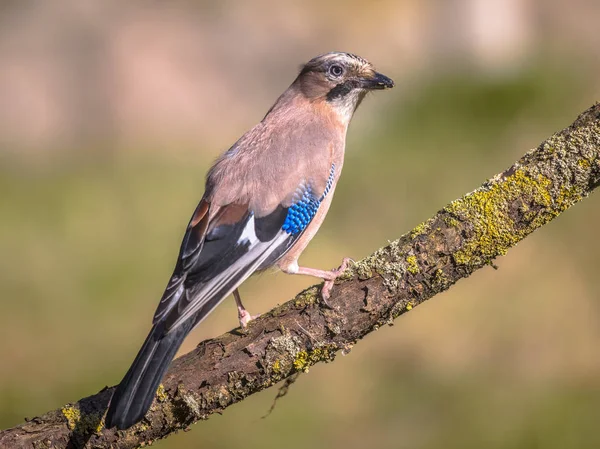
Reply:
x=304 y=209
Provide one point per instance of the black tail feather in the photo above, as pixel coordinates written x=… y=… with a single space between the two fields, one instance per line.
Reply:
x=133 y=397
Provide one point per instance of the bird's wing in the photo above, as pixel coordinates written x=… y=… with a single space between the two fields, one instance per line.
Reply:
x=224 y=245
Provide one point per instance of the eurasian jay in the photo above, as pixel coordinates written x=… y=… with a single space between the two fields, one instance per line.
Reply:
x=265 y=199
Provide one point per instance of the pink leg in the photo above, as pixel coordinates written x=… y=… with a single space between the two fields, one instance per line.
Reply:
x=243 y=315
x=328 y=276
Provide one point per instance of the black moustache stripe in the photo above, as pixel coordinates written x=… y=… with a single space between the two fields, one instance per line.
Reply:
x=341 y=90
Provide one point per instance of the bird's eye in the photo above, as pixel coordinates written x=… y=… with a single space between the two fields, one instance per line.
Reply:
x=336 y=70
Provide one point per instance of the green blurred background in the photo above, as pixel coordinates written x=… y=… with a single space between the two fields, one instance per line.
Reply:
x=110 y=114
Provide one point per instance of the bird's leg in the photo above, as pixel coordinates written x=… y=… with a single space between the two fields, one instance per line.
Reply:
x=243 y=315
x=328 y=277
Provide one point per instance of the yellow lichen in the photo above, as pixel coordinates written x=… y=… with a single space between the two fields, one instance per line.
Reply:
x=82 y=424
x=304 y=359
x=161 y=394
x=306 y=298
x=277 y=367
x=584 y=163
x=440 y=280
x=409 y=305
x=100 y=423
x=566 y=197
x=421 y=228
x=411 y=264
x=451 y=221
x=72 y=414
x=487 y=209
x=301 y=361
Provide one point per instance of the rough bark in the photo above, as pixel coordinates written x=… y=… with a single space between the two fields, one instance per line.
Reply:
x=464 y=236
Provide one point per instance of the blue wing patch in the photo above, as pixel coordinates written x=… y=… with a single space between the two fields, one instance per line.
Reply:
x=303 y=210
x=301 y=213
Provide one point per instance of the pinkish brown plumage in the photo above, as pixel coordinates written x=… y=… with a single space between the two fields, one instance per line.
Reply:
x=265 y=199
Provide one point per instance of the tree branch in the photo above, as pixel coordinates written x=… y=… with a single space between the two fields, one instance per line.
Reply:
x=464 y=236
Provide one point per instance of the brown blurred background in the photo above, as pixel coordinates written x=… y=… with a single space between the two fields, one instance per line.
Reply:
x=110 y=114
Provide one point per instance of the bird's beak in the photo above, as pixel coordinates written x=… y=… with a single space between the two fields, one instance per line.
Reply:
x=377 y=81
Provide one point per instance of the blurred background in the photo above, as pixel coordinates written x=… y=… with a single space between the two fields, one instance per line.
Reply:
x=110 y=114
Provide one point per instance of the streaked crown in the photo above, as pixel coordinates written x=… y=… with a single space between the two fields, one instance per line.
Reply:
x=341 y=79
x=323 y=63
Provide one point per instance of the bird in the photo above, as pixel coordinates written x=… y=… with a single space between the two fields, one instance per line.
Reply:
x=264 y=200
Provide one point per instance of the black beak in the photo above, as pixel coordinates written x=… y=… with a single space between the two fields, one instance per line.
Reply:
x=378 y=81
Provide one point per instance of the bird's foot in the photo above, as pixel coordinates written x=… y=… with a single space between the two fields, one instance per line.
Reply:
x=328 y=277
x=245 y=317
x=330 y=280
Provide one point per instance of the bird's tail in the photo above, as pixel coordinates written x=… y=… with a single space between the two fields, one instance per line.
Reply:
x=133 y=397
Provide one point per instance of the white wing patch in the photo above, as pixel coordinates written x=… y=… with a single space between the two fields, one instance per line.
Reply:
x=241 y=269
x=249 y=233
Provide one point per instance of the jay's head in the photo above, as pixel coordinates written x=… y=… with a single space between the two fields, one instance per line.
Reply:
x=340 y=80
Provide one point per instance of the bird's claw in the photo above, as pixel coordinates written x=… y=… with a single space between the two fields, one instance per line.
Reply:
x=328 y=284
x=344 y=266
x=245 y=318
x=325 y=293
